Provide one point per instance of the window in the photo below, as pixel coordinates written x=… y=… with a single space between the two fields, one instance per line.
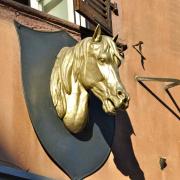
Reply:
x=63 y=9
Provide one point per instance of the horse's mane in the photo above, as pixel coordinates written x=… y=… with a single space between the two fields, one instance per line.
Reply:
x=69 y=60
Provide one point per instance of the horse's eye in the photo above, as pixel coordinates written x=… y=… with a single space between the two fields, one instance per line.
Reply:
x=102 y=60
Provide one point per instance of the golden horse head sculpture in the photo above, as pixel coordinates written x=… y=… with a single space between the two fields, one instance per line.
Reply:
x=91 y=64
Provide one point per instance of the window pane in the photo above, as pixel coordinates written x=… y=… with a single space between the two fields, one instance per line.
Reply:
x=56 y=8
x=63 y=9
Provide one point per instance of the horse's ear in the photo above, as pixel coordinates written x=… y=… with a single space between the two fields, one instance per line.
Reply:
x=97 y=34
x=115 y=38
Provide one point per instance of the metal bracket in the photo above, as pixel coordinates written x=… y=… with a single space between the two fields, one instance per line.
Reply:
x=114 y=8
x=172 y=83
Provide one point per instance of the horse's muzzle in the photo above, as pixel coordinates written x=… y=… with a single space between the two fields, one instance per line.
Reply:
x=112 y=104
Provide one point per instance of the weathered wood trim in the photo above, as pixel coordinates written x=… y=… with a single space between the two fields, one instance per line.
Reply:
x=28 y=11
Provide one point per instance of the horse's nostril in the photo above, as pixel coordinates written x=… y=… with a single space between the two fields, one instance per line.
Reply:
x=126 y=99
x=119 y=92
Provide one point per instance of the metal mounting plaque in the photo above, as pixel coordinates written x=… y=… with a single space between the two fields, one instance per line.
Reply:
x=78 y=155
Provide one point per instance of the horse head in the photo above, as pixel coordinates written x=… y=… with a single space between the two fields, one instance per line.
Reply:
x=100 y=73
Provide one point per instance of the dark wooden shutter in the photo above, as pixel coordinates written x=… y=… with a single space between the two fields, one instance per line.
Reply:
x=96 y=12
x=25 y=2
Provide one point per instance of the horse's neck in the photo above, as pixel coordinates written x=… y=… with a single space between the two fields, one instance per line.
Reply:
x=77 y=107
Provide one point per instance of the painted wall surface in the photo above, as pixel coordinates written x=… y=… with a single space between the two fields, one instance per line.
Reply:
x=146 y=132
x=156 y=129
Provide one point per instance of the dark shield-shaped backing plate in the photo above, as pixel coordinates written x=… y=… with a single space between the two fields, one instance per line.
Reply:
x=78 y=155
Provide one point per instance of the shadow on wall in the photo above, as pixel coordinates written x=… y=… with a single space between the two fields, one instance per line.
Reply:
x=122 y=149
